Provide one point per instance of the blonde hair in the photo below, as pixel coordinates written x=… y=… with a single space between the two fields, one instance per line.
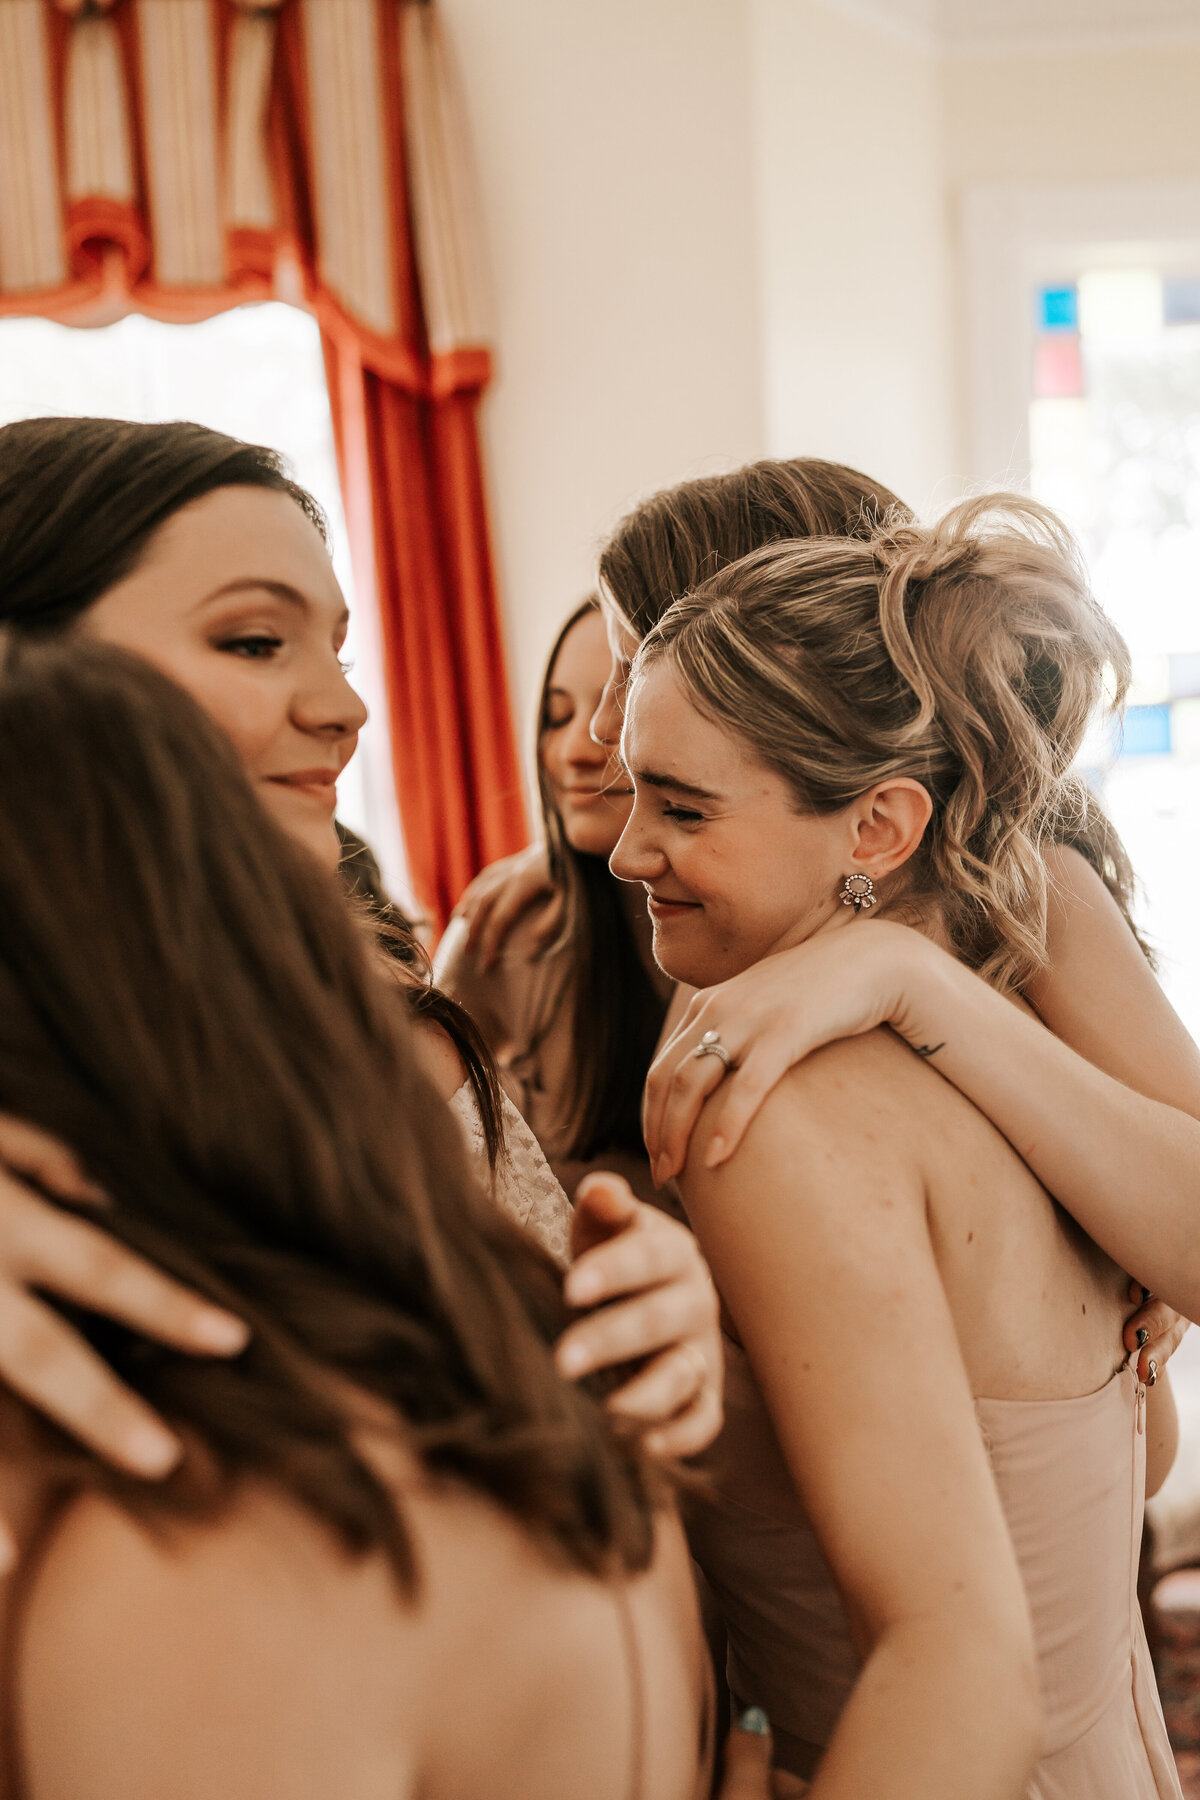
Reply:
x=969 y=655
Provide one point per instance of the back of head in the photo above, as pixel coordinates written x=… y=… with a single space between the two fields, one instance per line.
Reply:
x=682 y=536
x=185 y=999
x=969 y=656
x=80 y=499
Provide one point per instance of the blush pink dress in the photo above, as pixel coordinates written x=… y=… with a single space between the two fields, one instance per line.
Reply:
x=1071 y=1478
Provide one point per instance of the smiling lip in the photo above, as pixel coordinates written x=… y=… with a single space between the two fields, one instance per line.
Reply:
x=669 y=909
x=315 y=784
x=583 y=796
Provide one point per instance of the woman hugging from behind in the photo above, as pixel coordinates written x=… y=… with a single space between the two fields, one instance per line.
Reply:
x=926 y=1504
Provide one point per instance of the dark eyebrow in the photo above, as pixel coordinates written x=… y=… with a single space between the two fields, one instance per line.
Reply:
x=652 y=778
x=282 y=590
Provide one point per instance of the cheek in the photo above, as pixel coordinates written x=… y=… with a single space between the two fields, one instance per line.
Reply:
x=550 y=753
x=240 y=699
x=595 y=830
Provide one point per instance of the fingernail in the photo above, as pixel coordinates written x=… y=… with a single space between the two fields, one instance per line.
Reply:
x=572 y=1359
x=755 y=1721
x=8 y=1553
x=1143 y=1336
x=152 y=1451
x=221 y=1332
x=1152 y=1376
x=715 y=1153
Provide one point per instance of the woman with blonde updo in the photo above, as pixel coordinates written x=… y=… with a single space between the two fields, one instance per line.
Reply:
x=925 y=1509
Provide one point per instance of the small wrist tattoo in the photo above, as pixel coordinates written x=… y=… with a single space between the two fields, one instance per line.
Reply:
x=929 y=1049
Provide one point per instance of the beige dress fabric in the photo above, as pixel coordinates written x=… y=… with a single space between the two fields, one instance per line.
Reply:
x=522 y=1183
x=519 y=1005
x=1071 y=1477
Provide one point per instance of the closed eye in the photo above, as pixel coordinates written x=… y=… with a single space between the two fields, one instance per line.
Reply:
x=682 y=814
x=256 y=646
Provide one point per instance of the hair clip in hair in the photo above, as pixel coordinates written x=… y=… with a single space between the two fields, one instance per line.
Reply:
x=858 y=891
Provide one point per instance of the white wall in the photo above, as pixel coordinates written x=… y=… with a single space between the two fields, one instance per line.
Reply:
x=1062 y=115
x=614 y=147
x=721 y=229
x=855 y=248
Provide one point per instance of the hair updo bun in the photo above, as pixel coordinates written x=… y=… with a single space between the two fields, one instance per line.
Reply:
x=969 y=655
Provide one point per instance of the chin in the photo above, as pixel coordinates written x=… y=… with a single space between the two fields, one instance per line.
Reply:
x=317 y=838
x=684 y=962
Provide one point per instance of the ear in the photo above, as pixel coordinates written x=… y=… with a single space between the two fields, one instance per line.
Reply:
x=888 y=823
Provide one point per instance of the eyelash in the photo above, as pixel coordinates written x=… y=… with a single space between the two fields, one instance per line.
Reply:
x=683 y=815
x=248 y=644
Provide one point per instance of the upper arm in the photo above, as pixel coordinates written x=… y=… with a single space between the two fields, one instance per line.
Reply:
x=1099 y=994
x=223 y=1663
x=816 y=1234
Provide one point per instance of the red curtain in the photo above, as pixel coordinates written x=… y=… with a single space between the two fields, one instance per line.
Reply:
x=451 y=730
x=181 y=156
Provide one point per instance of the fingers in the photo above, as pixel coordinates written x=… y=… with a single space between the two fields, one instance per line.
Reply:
x=1155 y=1331
x=663 y=1387
x=690 y=1432
x=747 y=1773
x=642 y=1250
x=682 y=1100
x=40 y=1247
x=683 y=1039
x=605 y=1205
x=510 y=904
x=627 y=1330
x=52 y=1368
x=28 y=1151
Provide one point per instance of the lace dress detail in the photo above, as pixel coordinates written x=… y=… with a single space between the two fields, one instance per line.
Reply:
x=522 y=1184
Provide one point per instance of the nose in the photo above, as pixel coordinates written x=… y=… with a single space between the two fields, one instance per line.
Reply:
x=327 y=706
x=637 y=857
x=606 y=722
x=580 y=748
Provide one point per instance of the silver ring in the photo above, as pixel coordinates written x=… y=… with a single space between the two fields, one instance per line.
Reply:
x=710 y=1045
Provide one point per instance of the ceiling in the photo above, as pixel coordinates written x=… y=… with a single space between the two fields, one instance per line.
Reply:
x=963 y=23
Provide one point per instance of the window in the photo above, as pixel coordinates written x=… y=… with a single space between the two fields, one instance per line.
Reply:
x=1114 y=441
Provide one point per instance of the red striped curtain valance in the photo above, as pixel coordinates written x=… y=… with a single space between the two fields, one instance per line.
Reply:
x=178 y=157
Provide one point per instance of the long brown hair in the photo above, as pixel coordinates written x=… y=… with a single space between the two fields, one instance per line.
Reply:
x=683 y=536
x=970 y=656
x=80 y=502
x=616 y=1010
x=185 y=1000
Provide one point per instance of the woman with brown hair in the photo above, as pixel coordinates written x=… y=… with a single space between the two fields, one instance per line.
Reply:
x=574 y=1023
x=392 y=1476
x=928 y=1388
x=199 y=553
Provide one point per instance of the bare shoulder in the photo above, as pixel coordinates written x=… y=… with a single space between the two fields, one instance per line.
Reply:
x=247 y=1657
x=855 y=1094
x=441 y=1060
